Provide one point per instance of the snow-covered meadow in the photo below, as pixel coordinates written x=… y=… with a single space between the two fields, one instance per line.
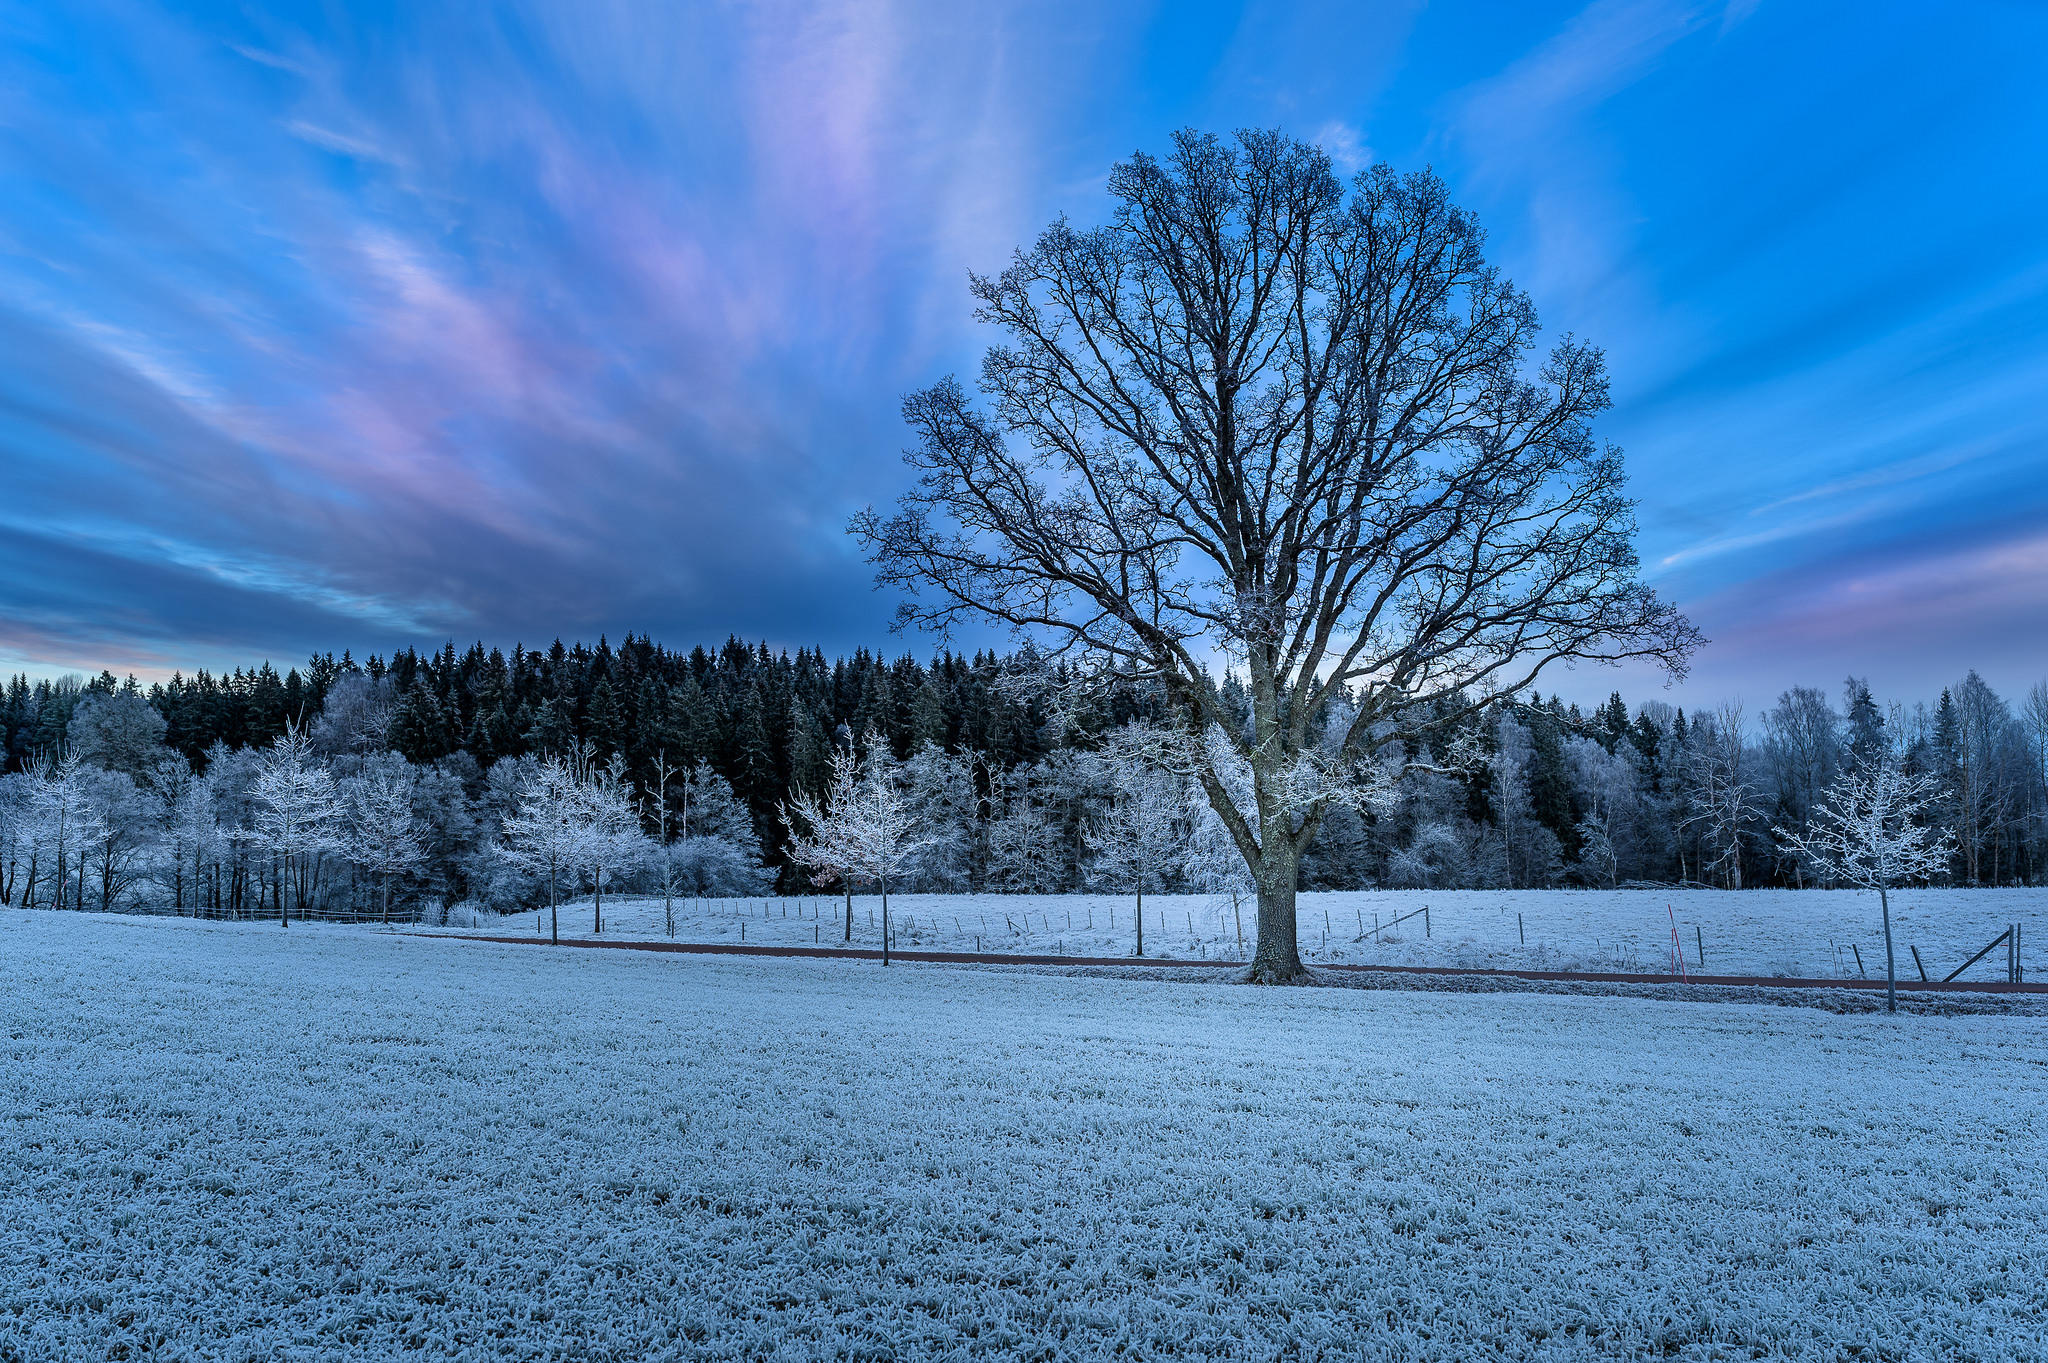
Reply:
x=1812 y=933
x=231 y=1141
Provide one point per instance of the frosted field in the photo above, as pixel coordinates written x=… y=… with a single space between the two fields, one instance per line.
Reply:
x=229 y=1141
x=1813 y=933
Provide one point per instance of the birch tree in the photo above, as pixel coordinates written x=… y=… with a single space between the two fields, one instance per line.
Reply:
x=1263 y=415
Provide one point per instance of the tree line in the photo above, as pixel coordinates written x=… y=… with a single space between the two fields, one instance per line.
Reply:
x=341 y=788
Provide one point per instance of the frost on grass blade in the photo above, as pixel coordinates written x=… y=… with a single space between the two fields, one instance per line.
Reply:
x=222 y=1141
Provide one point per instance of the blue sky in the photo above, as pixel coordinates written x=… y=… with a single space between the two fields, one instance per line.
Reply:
x=352 y=326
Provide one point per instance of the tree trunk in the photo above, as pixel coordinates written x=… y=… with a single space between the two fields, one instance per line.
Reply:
x=554 y=913
x=1891 y=972
x=1278 y=959
x=1141 y=920
x=597 y=904
x=885 y=920
x=849 y=910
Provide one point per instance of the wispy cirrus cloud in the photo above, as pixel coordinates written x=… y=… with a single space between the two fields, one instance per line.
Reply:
x=337 y=328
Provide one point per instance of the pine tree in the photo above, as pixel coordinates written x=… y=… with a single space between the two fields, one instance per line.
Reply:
x=550 y=735
x=605 y=725
x=419 y=730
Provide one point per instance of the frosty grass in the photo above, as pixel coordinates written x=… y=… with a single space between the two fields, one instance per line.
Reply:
x=231 y=1141
x=1812 y=933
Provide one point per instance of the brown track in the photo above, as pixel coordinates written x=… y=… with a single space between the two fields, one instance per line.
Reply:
x=1018 y=958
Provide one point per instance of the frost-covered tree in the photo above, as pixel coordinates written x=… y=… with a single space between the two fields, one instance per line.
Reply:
x=1529 y=850
x=297 y=813
x=384 y=835
x=1980 y=751
x=712 y=809
x=120 y=731
x=881 y=827
x=1436 y=855
x=656 y=811
x=611 y=839
x=1263 y=413
x=940 y=788
x=65 y=824
x=709 y=867
x=1021 y=842
x=1211 y=862
x=190 y=825
x=824 y=827
x=544 y=831
x=1867 y=831
x=1609 y=787
x=17 y=832
x=236 y=876
x=119 y=837
x=356 y=717
x=1138 y=831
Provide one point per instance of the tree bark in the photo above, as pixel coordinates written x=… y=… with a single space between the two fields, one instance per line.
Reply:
x=1891 y=973
x=849 y=910
x=1278 y=958
x=885 y=920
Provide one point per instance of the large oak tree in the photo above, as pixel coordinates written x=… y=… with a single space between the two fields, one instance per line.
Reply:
x=1299 y=427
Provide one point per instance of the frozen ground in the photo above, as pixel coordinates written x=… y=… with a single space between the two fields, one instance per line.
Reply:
x=1759 y=932
x=229 y=1141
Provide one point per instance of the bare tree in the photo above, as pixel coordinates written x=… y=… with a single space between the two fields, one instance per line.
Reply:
x=664 y=773
x=1724 y=801
x=1258 y=414
x=1868 y=831
x=1803 y=746
x=2035 y=717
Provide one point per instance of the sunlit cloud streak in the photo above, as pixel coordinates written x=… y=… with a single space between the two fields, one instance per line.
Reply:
x=321 y=331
